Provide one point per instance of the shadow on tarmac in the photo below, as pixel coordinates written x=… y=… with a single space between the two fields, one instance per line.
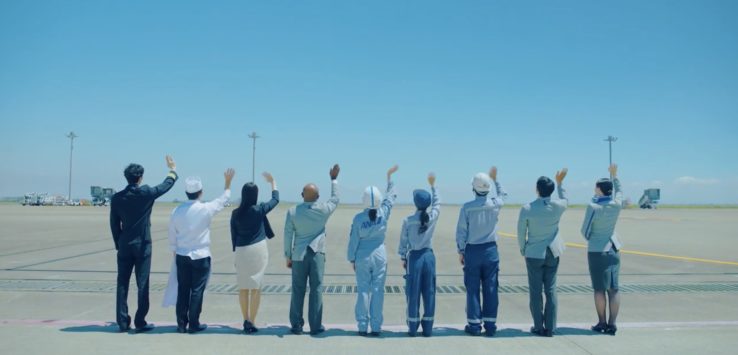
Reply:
x=281 y=331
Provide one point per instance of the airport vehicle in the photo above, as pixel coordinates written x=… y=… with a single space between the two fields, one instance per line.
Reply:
x=101 y=196
x=650 y=198
x=34 y=199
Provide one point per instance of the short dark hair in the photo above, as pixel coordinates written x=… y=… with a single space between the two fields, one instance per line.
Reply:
x=545 y=186
x=133 y=173
x=605 y=186
x=194 y=195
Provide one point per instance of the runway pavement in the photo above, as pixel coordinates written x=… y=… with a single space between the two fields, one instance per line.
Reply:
x=679 y=279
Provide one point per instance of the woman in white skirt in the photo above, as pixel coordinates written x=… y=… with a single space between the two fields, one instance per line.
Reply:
x=249 y=233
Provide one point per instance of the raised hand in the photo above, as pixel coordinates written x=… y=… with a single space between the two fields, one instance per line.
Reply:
x=334 y=172
x=613 y=169
x=228 y=175
x=560 y=175
x=392 y=170
x=493 y=173
x=170 y=163
x=268 y=177
x=432 y=179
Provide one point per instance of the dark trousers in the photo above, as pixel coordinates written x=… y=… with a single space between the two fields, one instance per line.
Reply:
x=130 y=259
x=542 y=279
x=192 y=277
x=312 y=268
x=481 y=267
x=421 y=282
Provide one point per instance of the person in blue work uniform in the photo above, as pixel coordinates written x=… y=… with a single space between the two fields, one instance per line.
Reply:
x=476 y=242
x=541 y=246
x=603 y=249
x=368 y=256
x=418 y=260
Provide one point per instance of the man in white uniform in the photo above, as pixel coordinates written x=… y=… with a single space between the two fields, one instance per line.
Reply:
x=189 y=239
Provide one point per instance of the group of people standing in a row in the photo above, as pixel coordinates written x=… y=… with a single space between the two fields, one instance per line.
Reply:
x=304 y=250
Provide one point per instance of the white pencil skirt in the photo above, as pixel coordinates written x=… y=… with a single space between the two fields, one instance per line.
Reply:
x=251 y=262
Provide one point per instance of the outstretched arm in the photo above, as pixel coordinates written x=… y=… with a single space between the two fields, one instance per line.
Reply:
x=219 y=203
x=501 y=194
x=435 y=200
x=168 y=182
x=563 y=198
x=390 y=195
x=267 y=207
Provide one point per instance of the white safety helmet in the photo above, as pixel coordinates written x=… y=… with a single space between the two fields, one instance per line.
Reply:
x=372 y=198
x=481 y=183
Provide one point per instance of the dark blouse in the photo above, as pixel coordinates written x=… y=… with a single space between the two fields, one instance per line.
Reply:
x=247 y=227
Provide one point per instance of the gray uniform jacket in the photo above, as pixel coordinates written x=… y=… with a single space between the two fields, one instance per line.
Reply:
x=600 y=219
x=538 y=226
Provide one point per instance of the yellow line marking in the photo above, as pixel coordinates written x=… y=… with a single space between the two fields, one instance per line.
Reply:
x=643 y=253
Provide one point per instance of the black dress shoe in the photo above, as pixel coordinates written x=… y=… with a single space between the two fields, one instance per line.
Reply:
x=198 y=328
x=537 y=331
x=317 y=331
x=363 y=333
x=376 y=334
x=125 y=327
x=146 y=328
x=611 y=329
x=296 y=330
x=181 y=329
x=490 y=332
x=248 y=327
x=412 y=334
x=548 y=333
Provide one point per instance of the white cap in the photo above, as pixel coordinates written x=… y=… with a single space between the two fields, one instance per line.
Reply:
x=193 y=184
x=372 y=197
x=481 y=182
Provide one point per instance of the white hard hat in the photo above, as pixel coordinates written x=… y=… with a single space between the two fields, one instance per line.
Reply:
x=481 y=182
x=193 y=184
x=372 y=197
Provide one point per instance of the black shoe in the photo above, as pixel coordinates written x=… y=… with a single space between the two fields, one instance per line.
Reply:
x=537 y=331
x=428 y=334
x=548 y=333
x=181 y=329
x=376 y=334
x=611 y=329
x=124 y=328
x=490 y=332
x=363 y=333
x=296 y=330
x=317 y=331
x=249 y=327
x=146 y=328
x=599 y=327
x=197 y=328
x=412 y=334
x=472 y=331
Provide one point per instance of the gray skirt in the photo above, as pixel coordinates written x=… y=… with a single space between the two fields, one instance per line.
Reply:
x=604 y=269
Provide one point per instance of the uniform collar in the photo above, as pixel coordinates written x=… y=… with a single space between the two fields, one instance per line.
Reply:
x=602 y=199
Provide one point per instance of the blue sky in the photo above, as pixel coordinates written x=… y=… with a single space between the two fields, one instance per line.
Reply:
x=446 y=86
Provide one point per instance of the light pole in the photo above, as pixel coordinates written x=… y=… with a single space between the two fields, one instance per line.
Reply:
x=611 y=140
x=253 y=136
x=71 y=137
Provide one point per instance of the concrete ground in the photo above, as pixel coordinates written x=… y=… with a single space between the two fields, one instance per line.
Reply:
x=679 y=280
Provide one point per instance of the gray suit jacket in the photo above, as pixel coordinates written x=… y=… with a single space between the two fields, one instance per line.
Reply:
x=538 y=226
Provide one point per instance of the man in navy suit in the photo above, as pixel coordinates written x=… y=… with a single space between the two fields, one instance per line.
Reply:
x=130 y=223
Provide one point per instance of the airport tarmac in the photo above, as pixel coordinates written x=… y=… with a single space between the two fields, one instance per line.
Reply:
x=679 y=278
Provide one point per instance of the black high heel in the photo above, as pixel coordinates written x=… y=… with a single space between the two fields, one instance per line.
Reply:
x=611 y=329
x=599 y=327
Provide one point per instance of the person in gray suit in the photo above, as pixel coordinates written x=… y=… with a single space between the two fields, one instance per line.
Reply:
x=541 y=245
x=603 y=248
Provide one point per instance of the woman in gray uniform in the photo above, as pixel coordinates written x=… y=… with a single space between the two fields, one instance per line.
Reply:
x=603 y=249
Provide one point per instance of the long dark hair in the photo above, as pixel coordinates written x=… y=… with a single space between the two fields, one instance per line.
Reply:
x=424 y=219
x=249 y=195
x=373 y=215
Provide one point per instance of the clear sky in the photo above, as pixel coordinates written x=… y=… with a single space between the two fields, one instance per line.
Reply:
x=446 y=86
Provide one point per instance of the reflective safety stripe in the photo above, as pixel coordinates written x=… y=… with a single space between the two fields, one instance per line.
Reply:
x=413 y=319
x=428 y=319
x=474 y=321
x=489 y=319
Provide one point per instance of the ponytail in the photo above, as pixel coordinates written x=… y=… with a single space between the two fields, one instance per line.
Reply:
x=424 y=219
x=372 y=215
